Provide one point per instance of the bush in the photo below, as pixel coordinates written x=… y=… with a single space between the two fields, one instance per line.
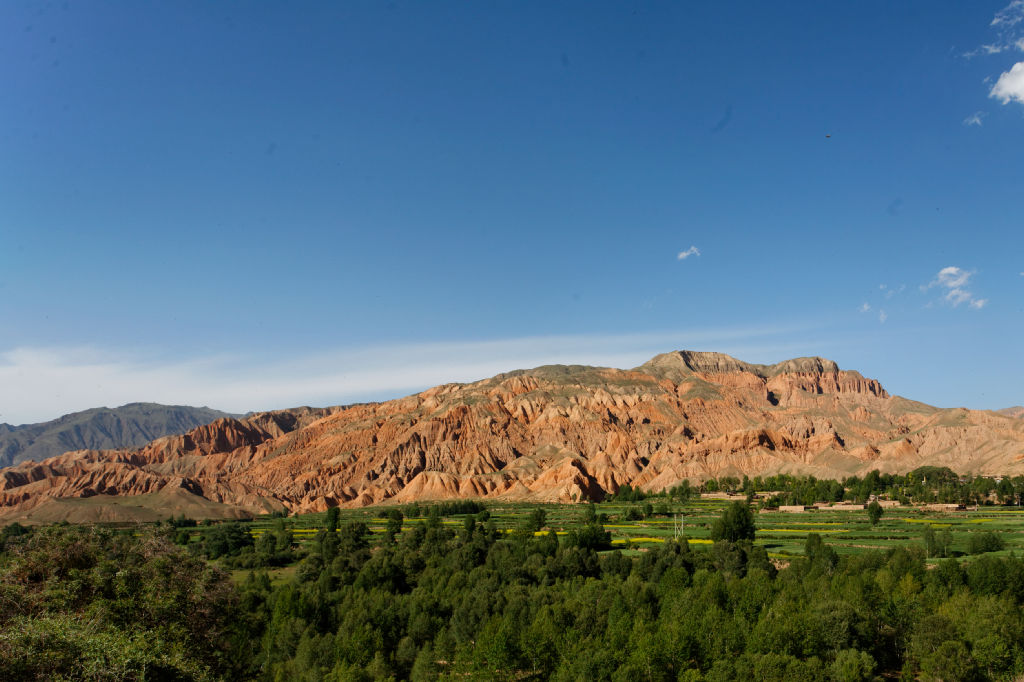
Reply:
x=88 y=603
x=979 y=543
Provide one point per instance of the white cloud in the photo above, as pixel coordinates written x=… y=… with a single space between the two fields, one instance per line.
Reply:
x=1009 y=35
x=955 y=281
x=952 y=277
x=692 y=251
x=987 y=50
x=958 y=296
x=1011 y=15
x=865 y=307
x=882 y=317
x=974 y=119
x=44 y=383
x=1010 y=85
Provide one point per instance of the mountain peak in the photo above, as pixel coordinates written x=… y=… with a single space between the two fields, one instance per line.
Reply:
x=704 y=362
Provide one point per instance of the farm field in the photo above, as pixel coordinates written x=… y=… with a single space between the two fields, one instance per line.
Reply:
x=782 y=534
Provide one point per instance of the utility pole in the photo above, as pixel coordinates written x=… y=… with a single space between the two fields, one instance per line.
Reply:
x=678 y=530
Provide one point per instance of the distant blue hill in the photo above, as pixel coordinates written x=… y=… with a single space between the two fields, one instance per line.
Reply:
x=100 y=428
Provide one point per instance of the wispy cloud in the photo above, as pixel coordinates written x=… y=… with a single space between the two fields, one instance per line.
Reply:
x=886 y=292
x=987 y=50
x=692 y=251
x=952 y=277
x=974 y=119
x=1010 y=85
x=958 y=296
x=43 y=383
x=1009 y=35
x=1009 y=16
x=955 y=280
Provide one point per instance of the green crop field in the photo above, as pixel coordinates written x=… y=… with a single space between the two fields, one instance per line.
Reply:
x=782 y=534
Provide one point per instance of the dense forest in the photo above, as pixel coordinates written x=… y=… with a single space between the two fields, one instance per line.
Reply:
x=435 y=601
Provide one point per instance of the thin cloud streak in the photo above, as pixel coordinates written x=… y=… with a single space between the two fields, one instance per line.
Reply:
x=955 y=281
x=44 y=383
x=975 y=119
x=1011 y=15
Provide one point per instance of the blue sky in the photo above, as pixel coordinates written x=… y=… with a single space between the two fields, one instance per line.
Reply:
x=258 y=205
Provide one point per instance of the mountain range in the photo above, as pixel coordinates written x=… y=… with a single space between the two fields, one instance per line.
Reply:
x=131 y=425
x=553 y=433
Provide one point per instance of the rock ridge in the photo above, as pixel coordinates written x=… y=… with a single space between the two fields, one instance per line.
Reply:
x=553 y=433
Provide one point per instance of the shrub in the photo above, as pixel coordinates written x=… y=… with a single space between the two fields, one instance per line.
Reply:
x=979 y=543
x=88 y=603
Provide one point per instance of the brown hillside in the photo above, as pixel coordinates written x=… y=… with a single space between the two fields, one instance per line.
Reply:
x=554 y=433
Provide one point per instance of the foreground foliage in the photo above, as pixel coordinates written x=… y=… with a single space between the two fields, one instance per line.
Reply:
x=431 y=601
x=87 y=603
x=478 y=604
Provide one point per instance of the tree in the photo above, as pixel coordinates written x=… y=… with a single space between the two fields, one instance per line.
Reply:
x=819 y=554
x=875 y=512
x=852 y=666
x=736 y=523
x=930 y=542
x=683 y=491
x=533 y=523
x=332 y=519
x=12 y=531
x=394 y=527
x=979 y=543
x=592 y=536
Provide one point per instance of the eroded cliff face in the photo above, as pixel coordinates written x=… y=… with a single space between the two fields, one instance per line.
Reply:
x=553 y=433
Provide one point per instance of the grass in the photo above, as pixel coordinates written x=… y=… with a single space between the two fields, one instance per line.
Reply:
x=278 y=576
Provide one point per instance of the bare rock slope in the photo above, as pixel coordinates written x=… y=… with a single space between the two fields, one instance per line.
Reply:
x=554 y=433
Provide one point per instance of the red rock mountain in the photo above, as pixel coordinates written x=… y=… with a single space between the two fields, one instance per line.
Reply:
x=554 y=433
